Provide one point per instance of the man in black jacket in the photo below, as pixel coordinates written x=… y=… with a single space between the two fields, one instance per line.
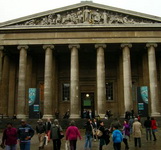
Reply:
x=25 y=133
x=147 y=125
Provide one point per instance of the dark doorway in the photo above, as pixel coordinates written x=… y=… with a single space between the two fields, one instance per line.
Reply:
x=87 y=104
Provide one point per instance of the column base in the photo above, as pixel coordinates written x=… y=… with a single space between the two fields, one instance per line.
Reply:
x=155 y=114
x=102 y=115
x=74 y=116
x=47 y=116
x=21 y=116
x=122 y=116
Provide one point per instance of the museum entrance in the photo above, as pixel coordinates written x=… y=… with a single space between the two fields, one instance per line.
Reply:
x=87 y=104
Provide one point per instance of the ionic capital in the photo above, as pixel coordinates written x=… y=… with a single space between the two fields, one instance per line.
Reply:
x=148 y=45
x=48 y=46
x=100 y=45
x=77 y=46
x=1 y=48
x=22 y=46
x=126 y=45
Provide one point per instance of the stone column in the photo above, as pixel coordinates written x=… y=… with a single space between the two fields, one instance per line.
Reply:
x=21 y=100
x=74 y=82
x=101 y=85
x=127 y=83
x=1 y=60
x=48 y=112
x=153 y=79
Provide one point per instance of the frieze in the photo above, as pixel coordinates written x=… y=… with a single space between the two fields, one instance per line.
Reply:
x=87 y=16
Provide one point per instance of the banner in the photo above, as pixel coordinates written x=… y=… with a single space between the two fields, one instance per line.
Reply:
x=34 y=103
x=142 y=98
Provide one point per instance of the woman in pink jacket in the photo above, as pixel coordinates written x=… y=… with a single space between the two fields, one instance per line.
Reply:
x=72 y=133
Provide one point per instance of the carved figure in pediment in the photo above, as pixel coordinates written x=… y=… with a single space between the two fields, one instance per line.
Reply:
x=111 y=19
x=96 y=17
x=66 y=19
x=73 y=17
x=30 y=22
x=119 y=18
x=58 y=19
x=79 y=16
x=44 y=21
x=86 y=15
x=128 y=20
x=104 y=17
x=50 y=19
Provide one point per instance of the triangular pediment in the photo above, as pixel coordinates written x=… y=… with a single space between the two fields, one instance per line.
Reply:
x=83 y=14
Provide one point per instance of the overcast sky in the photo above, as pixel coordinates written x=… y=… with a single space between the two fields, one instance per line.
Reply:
x=12 y=9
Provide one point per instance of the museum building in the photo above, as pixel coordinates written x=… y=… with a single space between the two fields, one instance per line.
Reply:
x=86 y=56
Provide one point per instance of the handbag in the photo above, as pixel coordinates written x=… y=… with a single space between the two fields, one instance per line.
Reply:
x=45 y=140
x=99 y=133
x=67 y=147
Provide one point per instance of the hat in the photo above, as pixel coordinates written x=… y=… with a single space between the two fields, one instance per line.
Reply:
x=40 y=121
x=136 y=119
x=23 y=120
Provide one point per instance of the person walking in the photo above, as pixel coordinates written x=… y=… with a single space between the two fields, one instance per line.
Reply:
x=55 y=134
x=137 y=132
x=117 y=138
x=126 y=134
x=95 y=127
x=88 y=135
x=25 y=133
x=72 y=133
x=40 y=130
x=147 y=125
x=154 y=127
x=101 y=138
x=9 y=138
x=47 y=128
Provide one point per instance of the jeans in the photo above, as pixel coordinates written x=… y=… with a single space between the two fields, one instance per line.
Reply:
x=88 y=141
x=25 y=146
x=117 y=146
x=11 y=147
x=148 y=131
x=137 y=140
x=154 y=136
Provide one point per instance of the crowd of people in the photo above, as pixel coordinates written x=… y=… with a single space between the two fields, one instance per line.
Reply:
x=95 y=130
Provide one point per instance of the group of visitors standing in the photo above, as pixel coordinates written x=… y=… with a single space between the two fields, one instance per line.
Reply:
x=94 y=130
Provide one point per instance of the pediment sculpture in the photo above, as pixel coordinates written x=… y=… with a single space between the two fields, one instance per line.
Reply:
x=86 y=15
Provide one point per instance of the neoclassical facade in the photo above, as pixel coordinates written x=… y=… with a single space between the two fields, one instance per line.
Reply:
x=84 y=56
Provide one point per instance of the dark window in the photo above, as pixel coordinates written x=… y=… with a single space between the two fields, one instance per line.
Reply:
x=66 y=92
x=109 y=91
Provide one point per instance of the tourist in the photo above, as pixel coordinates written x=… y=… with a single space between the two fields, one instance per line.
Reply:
x=154 y=128
x=147 y=125
x=72 y=133
x=88 y=135
x=115 y=123
x=102 y=137
x=131 y=121
x=9 y=138
x=117 y=138
x=137 y=132
x=55 y=134
x=67 y=114
x=126 y=134
x=25 y=133
x=95 y=127
x=40 y=130
x=47 y=128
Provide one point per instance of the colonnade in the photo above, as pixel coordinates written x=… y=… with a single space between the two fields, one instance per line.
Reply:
x=74 y=79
